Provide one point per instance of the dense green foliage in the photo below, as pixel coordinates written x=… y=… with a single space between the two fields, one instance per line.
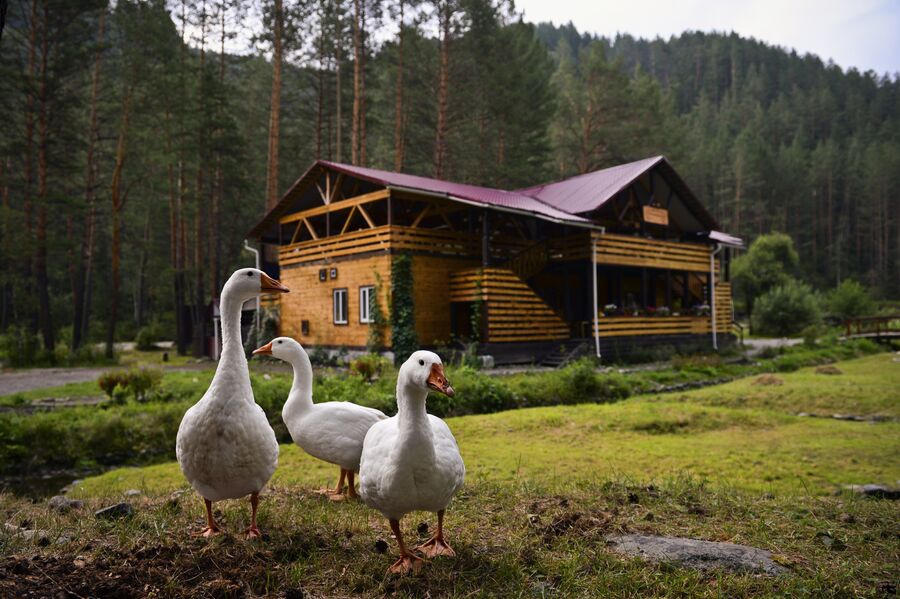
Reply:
x=160 y=173
x=770 y=261
x=786 y=310
x=144 y=432
x=850 y=300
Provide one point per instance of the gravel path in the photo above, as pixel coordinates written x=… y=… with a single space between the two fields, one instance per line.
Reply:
x=17 y=381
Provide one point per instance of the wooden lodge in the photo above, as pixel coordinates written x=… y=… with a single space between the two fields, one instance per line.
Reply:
x=605 y=262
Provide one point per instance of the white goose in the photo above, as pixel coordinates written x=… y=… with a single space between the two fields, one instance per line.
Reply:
x=225 y=446
x=411 y=461
x=333 y=431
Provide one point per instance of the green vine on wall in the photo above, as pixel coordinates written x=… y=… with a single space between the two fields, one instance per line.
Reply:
x=403 y=324
x=375 y=342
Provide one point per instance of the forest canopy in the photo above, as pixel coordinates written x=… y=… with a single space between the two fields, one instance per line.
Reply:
x=136 y=152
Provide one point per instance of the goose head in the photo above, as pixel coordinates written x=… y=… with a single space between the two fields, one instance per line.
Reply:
x=425 y=370
x=247 y=283
x=283 y=348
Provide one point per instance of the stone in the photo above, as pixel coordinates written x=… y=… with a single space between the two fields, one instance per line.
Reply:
x=487 y=361
x=696 y=554
x=132 y=493
x=61 y=503
x=874 y=491
x=119 y=510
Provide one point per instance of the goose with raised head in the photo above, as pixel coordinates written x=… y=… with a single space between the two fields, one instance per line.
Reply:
x=225 y=445
x=411 y=462
x=332 y=431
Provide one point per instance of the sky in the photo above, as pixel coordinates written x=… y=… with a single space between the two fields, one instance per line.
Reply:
x=853 y=33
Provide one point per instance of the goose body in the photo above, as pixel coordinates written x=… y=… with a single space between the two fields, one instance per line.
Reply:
x=412 y=462
x=225 y=445
x=332 y=431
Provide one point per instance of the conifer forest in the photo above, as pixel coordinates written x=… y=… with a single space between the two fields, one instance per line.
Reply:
x=141 y=140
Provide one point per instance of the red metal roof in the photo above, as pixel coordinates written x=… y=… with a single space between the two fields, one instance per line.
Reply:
x=586 y=193
x=563 y=201
x=511 y=200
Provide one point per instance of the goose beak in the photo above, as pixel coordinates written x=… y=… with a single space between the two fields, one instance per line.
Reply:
x=437 y=381
x=269 y=284
x=265 y=350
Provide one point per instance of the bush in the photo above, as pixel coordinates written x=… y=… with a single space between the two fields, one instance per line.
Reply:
x=370 y=366
x=19 y=346
x=786 y=310
x=146 y=338
x=850 y=300
x=118 y=385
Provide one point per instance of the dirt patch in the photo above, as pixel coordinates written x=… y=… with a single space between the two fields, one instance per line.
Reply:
x=768 y=379
x=828 y=369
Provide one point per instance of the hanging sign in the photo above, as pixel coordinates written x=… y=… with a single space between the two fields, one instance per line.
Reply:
x=656 y=216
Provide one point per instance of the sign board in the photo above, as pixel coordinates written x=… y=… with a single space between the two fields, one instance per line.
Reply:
x=656 y=216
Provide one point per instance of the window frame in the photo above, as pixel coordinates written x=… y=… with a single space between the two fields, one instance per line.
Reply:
x=366 y=290
x=345 y=311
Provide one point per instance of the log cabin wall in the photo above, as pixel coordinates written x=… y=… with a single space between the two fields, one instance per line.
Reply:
x=312 y=300
x=431 y=296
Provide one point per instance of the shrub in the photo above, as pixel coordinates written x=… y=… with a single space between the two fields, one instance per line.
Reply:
x=19 y=346
x=850 y=300
x=137 y=383
x=146 y=338
x=370 y=366
x=786 y=310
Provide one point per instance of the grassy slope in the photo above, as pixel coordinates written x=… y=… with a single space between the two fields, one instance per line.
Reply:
x=545 y=485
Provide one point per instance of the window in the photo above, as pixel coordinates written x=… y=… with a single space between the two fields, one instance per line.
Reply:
x=339 y=297
x=366 y=295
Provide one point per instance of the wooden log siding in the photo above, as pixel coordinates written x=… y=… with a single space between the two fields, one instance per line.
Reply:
x=623 y=250
x=514 y=311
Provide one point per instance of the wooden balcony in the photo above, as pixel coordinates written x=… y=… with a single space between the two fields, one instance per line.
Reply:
x=624 y=250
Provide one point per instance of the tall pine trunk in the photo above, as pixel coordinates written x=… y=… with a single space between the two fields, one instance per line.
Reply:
x=117 y=200
x=398 y=99
x=199 y=310
x=80 y=295
x=357 y=83
x=45 y=317
x=275 y=109
x=440 y=138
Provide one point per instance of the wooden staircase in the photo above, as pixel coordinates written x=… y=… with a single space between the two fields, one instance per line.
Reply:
x=529 y=261
x=513 y=310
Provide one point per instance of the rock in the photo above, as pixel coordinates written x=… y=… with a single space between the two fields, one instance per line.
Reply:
x=61 y=503
x=768 y=379
x=487 y=361
x=828 y=369
x=132 y=493
x=696 y=554
x=381 y=546
x=874 y=491
x=119 y=510
x=847 y=518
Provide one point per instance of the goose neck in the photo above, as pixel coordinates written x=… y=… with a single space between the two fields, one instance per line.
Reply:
x=232 y=345
x=300 y=397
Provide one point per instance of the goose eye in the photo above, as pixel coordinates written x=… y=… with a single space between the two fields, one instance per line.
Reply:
x=249 y=274
x=421 y=362
x=280 y=342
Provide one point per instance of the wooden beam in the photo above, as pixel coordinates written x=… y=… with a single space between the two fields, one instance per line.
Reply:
x=336 y=206
x=422 y=215
x=347 y=222
x=322 y=194
x=365 y=216
x=296 y=232
x=337 y=186
x=310 y=228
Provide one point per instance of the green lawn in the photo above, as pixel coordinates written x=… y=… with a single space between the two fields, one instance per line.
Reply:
x=544 y=487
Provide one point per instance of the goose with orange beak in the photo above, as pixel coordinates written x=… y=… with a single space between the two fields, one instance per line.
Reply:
x=332 y=431
x=411 y=462
x=225 y=446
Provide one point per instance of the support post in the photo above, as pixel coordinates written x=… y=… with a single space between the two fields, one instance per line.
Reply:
x=712 y=293
x=596 y=315
x=485 y=239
